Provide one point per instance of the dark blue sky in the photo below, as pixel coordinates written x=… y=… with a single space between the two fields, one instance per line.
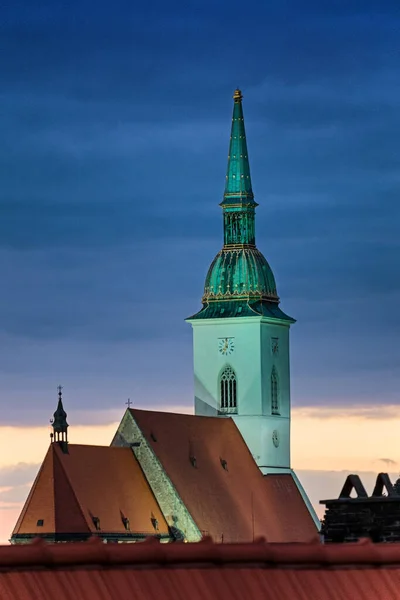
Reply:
x=115 y=126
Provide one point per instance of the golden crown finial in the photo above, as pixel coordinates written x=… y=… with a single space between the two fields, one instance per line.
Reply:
x=237 y=95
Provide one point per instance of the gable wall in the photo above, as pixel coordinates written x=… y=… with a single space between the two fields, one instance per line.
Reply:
x=171 y=504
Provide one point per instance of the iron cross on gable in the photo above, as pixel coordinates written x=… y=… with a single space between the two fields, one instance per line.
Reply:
x=129 y=402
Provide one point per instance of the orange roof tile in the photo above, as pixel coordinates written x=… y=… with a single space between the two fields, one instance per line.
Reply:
x=230 y=504
x=40 y=501
x=289 y=508
x=149 y=571
x=90 y=481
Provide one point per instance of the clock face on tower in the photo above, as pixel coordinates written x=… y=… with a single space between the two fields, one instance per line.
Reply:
x=226 y=345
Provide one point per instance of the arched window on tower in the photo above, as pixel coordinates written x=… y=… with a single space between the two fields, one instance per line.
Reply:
x=274 y=392
x=228 y=391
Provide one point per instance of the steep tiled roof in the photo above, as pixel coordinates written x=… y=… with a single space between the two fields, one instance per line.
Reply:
x=150 y=570
x=89 y=481
x=288 y=507
x=216 y=477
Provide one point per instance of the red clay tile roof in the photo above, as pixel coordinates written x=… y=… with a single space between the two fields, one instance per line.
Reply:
x=232 y=504
x=90 y=481
x=289 y=508
x=150 y=571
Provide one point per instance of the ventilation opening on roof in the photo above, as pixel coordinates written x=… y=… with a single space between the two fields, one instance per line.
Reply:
x=224 y=464
x=153 y=437
x=40 y=522
x=127 y=525
x=193 y=461
x=154 y=522
x=96 y=523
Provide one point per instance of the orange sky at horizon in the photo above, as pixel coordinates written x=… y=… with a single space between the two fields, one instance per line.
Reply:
x=326 y=444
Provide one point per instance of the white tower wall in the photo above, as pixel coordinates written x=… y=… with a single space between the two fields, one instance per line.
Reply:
x=259 y=345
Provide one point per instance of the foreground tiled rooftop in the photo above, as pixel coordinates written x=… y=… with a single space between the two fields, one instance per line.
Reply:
x=148 y=570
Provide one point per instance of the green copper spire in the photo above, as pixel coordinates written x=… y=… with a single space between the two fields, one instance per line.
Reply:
x=239 y=282
x=238 y=202
x=238 y=188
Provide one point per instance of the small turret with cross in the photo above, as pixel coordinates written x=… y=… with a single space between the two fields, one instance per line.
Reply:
x=59 y=422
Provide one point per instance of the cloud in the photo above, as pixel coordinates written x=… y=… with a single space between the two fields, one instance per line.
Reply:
x=113 y=159
x=388 y=461
x=359 y=412
x=16 y=494
x=17 y=476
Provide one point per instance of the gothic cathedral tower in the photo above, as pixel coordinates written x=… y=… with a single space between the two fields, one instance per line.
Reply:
x=241 y=336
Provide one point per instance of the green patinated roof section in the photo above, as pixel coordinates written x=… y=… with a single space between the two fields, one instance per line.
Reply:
x=238 y=189
x=238 y=273
x=225 y=309
x=239 y=282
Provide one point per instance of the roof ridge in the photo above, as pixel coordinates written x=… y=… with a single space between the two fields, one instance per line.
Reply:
x=72 y=488
x=165 y=412
x=312 y=554
x=91 y=446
